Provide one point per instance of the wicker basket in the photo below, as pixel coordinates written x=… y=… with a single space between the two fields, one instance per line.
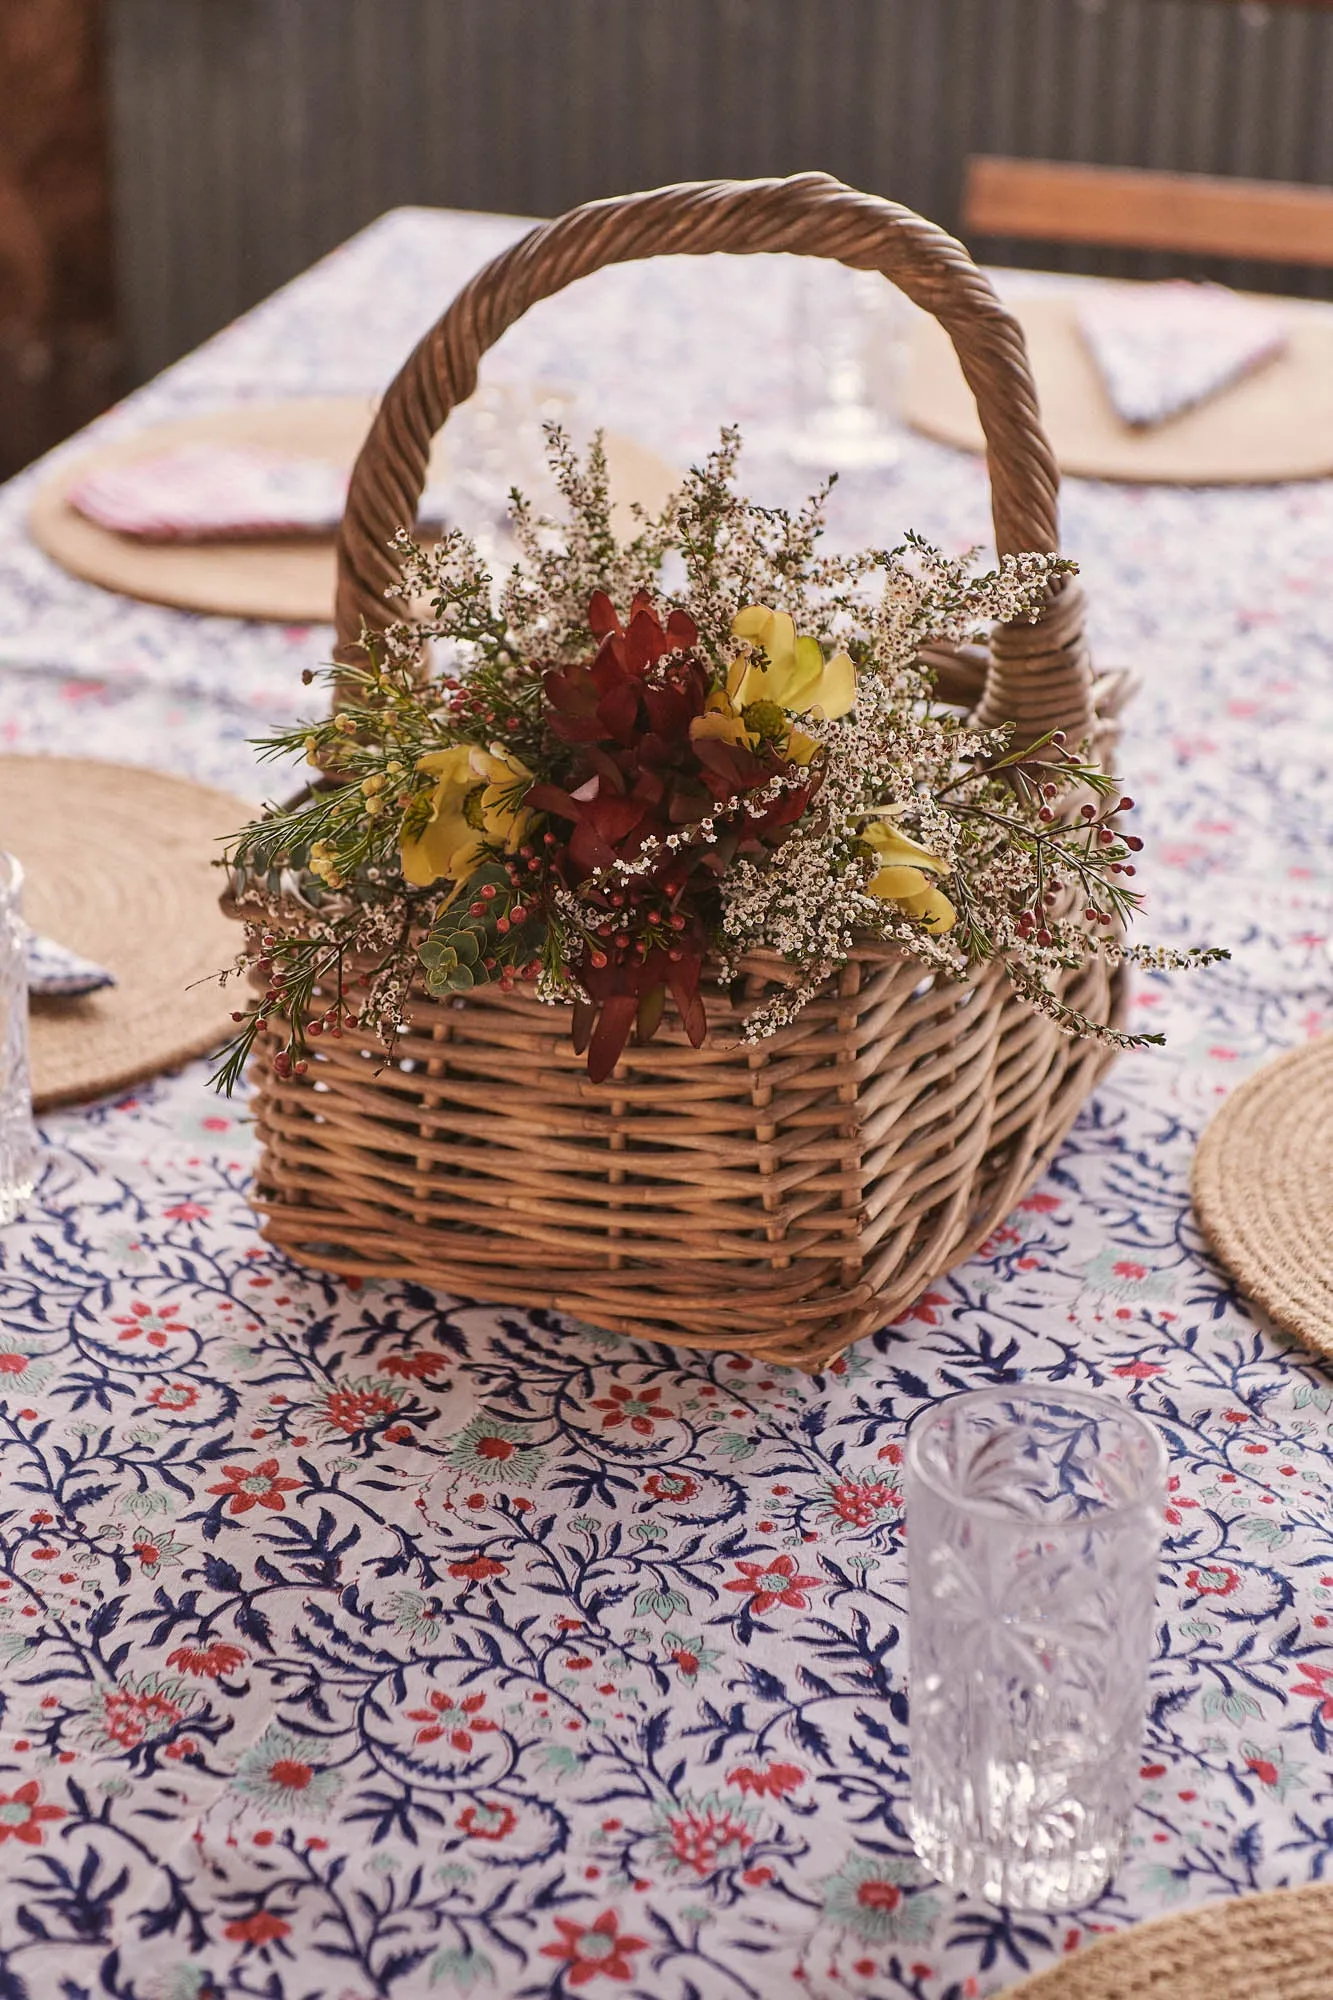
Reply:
x=783 y=1199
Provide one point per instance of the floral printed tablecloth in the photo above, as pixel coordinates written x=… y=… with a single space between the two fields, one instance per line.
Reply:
x=361 y=1641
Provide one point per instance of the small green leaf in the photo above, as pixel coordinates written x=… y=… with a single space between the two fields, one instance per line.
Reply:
x=463 y=1969
x=661 y=1604
x=559 y=1757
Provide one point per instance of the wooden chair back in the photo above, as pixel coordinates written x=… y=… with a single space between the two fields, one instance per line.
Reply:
x=1057 y=201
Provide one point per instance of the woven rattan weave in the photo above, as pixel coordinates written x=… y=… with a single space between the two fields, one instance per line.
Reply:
x=785 y=1198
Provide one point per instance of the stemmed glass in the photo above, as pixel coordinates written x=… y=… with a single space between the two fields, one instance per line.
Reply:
x=849 y=358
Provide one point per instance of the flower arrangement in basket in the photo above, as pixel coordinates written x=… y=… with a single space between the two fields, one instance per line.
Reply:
x=662 y=940
x=616 y=791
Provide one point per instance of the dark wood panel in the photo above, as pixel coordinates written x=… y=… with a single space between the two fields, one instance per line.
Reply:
x=253 y=135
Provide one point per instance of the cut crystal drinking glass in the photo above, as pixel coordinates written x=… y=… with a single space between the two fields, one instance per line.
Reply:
x=1034 y=1520
x=18 y=1136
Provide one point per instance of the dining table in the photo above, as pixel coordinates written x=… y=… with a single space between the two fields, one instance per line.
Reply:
x=361 y=1640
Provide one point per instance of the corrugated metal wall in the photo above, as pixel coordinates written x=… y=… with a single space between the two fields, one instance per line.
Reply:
x=253 y=135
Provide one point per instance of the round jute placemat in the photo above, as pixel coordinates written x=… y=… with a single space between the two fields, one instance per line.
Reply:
x=1277 y=1946
x=1274 y=425
x=1263 y=1192
x=117 y=865
x=287 y=581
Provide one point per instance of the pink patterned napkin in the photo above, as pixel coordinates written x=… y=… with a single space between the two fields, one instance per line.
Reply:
x=220 y=493
x=1161 y=349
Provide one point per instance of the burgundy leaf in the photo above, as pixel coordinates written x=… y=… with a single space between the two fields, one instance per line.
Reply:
x=589 y=850
x=601 y=615
x=618 y=711
x=609 y=1037
x=581 y=1033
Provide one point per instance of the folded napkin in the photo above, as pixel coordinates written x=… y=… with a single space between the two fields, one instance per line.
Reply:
x=55 y=972
x=221 y=493
x=1161 y=349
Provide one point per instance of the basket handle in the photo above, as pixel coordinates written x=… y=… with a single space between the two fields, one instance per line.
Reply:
x=1039 y=675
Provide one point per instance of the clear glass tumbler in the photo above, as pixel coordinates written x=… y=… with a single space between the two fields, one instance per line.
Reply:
x=1034 y=1521
x=18 y=1135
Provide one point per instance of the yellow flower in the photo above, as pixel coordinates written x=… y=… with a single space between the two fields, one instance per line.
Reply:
x=504 y=818
x=475 y=804
x=903 y=876
x=721 y=721
x=796 y=675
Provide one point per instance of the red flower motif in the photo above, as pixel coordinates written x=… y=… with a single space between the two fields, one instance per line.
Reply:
x=861 y=1501
x=1264 y=1770
x=1140 y=1371
x=687 y=1661
x=136 y=1321
x=1213 y=1580
x=892 y=1452
x=700 y=1835
x=14 y=1364
x=1126 y=1269
x=477 y=1569
x=778 y=1582
x=414 y=1367
x=1315 y=1685
x=1174 y=1506
x=774 y=1782
x=262 y=1928
x=600 y=1948
x=486 y=1821
x=23 y=1817
x=127 y=1717
x=926 y=1308
x=874 y=1895
x=670 y=1486
x=208 y=1662
x=186 y=1211
x=174 y=1395
x=255 y=1486
x=459 y=1721
x=353 y=1410
x=640 y=1408
x=290 y=1773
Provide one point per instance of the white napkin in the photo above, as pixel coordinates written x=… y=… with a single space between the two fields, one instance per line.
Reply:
x=1161 y=349
x=54 y=971
x=218 y=493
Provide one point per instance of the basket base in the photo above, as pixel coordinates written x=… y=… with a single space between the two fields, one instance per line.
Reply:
x=822 y=1328
x=781 y=1199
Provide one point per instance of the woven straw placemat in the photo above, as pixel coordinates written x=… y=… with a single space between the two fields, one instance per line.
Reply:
x=1278 y=1946
x=1276 y=424
x=1263 y=1191
x=290 y=582
x=117 y=865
